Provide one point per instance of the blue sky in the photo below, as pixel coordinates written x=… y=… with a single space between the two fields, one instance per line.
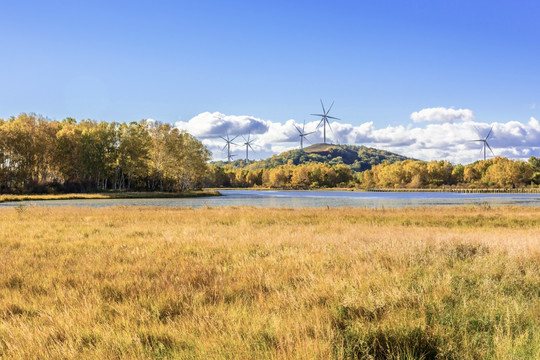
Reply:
x=272 y=61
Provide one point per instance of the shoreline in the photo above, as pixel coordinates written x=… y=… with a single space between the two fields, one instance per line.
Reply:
x=464 y=191
x=114 y=195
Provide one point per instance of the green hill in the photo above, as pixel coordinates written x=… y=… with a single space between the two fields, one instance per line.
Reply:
x=359 y=158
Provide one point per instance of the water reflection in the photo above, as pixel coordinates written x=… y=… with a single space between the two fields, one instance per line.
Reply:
x=300 y=199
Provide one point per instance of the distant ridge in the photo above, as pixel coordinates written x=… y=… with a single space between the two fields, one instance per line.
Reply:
x=359 y=158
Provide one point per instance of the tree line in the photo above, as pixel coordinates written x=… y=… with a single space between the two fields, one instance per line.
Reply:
x=42 y=155
x=498 y=172
x=45 y=156
x=313 y=175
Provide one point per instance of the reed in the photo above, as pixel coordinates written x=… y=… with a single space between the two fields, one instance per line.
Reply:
x=250 y=283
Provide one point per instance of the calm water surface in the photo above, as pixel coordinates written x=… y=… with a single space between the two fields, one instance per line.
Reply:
x=299 y=199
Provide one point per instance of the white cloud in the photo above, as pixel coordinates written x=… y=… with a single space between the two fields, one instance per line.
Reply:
x=215 y=124
x=442 y=115
x=437 y=141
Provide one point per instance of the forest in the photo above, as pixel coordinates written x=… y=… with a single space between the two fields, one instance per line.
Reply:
x=328 y=166
x=39 y=155
x=496 y=173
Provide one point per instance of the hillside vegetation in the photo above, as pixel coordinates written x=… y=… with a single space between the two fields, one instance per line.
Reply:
x=358 y=158
x=234 y=283
x=326 y=166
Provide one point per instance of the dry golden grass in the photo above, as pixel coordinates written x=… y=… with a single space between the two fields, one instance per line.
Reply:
x=110 y=195
x=249 y=283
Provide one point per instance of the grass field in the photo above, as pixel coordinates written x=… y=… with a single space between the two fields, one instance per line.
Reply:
x=246 y=283
x=109 y=195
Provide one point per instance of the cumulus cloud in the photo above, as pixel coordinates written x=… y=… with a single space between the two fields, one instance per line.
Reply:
x=215 y=124
x=442 y=115
x=439 y=140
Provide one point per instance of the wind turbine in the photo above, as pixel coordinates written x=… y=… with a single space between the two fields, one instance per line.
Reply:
x=324 y=119
x=248 y=145
x=303 y=134
x=484 y=142
x=229 y=141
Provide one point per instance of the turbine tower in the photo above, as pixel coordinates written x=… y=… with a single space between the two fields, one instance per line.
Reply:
x=229 y=141
x=248 y=143
x=303 y=134
x=324 y=119
x=485 y=143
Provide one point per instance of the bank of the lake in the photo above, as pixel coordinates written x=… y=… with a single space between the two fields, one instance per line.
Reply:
x=110 y=195
x=529 y=190
x=305 y=199
x=526 y=190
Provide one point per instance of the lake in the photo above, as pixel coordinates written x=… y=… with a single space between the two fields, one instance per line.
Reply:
x=300 y=199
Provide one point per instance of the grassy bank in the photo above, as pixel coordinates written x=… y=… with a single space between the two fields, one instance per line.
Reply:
x=245 y=283
x=110 y=195
x=435 y=190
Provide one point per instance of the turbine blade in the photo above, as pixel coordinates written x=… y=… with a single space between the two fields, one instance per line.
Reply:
x=233 y=138
x=489 y=133
x=320 y=122
x=331 y=117
x=324 y=111
x=224 y=138
x=251 y=147
x=224 y=147
x=328 y=122
x=330 y=108
x=332 y=130
x=317 y=114
x=297 y=128
x=490 y=148
x=311 y=132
